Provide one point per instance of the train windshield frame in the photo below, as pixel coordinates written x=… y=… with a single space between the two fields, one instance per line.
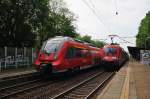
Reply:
x=110 y=50
x=52 y=45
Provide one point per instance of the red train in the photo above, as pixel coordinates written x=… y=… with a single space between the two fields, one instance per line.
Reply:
x=64 y=53
x=114 y=57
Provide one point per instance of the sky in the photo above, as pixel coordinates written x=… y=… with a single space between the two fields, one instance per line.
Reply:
x=100 y=19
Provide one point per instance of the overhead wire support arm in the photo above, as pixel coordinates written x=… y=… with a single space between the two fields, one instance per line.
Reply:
x=125 y=40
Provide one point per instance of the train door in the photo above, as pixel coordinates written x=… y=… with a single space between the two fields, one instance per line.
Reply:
x=70 y=57
x=86 y=57
x=78 y=60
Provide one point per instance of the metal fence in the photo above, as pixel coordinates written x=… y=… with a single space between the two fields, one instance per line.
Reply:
x=11 y=57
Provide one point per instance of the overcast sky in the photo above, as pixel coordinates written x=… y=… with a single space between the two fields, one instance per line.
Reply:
x=125 y=24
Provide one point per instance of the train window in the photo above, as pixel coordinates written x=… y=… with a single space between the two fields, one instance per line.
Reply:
x=85 y=53
x=52 y=46
x=70 y=53
x=74 y=53
x=78 y=53
x=110 y=50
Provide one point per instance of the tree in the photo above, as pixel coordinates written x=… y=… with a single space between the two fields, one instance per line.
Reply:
x=63 y=18
x=88 y=39
x=15 y=28
x=143 y=36
x=30 y=22
x=99 y=43
x=59 y=21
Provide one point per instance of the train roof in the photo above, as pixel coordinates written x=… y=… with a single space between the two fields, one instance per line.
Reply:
x=61 y=38
x=76 y=42
x=112 y=46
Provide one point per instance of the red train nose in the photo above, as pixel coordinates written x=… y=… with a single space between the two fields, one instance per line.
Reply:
x=109 y=58
x=46 y=57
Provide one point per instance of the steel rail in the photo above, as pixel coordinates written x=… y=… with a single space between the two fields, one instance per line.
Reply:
x=18 y=80
x=17 y=85
x=74 y=87
x=99 y=86
x=35 y=85
x=18 y=76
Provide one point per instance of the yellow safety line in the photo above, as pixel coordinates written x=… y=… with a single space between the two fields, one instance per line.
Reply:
x=125 y=89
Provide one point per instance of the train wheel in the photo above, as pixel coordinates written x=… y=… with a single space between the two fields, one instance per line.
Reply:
x=108 y=69
x=46 y=72
x=70 y=70
x=76 y=69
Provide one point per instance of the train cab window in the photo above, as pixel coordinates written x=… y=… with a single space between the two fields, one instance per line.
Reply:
x=52 y=46
x=110 y=51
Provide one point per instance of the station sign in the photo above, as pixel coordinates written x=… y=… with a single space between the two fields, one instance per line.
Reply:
x=145 y=57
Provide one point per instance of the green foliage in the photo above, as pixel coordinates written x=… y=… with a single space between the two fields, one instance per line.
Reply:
x=15 y=28
x=30 y=22
x=55 y=19
x=88 y=39
x=143 y=37
x=99 y=43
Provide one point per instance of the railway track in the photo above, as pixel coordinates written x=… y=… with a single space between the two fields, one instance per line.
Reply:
x=87 y=88
x=63 y=83
x=34 y=87
x=10 y=81
x=7 y=92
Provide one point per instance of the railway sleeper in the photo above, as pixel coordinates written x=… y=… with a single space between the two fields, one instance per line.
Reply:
x=85 y=88
x=74 y=96
x=78 y=92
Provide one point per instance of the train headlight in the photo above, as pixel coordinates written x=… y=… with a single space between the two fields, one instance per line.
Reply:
x=55 y=56
x=114 y=58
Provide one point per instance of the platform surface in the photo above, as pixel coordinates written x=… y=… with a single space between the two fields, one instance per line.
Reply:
x=16 y=72
x=131 y=82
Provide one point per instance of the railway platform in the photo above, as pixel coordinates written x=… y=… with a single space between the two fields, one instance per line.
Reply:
x=16 y=72
x=131 y=82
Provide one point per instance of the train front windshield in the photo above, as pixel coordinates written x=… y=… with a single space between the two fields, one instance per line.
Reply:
x=110 y=50
x=52 y=46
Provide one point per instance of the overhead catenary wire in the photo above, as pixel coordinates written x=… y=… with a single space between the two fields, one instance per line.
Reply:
x=97 y=10
x=92 y=8
x=121 y=38
x=124 y=40
x=92 y=4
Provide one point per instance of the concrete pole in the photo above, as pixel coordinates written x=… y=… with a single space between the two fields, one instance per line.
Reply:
x=32 y=55
x=0 y=67
x=5 y=57
x=16 y=58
